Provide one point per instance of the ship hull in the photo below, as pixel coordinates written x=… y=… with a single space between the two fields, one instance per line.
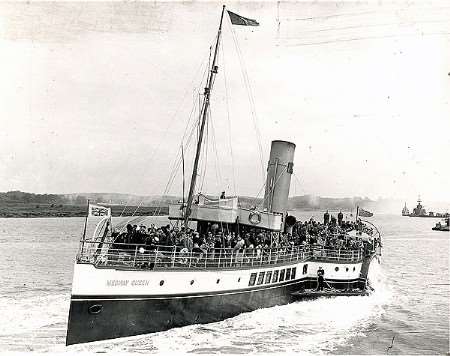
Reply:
x=444 y=228
x=122 y=316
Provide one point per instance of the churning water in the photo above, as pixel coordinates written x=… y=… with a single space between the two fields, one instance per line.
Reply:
x=407 y=314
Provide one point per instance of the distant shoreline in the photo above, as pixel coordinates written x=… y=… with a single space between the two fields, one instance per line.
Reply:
x=33 y=210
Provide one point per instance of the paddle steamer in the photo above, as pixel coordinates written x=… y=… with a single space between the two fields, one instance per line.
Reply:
x=129 y=289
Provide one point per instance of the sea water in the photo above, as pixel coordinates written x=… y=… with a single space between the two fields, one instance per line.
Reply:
x=408 y=313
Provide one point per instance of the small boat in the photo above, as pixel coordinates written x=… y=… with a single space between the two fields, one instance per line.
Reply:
x=442 y=227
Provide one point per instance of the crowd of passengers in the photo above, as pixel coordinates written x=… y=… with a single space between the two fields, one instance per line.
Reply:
x=331 y=234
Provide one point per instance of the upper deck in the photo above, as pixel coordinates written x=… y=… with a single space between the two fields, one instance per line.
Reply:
x=139 y=257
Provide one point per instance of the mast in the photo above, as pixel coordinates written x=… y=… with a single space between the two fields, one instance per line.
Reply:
x=204 y=113
x=182 y=158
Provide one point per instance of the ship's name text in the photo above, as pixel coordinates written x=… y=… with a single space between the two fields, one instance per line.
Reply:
x=127 y=282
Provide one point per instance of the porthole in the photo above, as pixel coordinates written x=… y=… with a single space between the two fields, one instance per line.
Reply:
x=239 y=279
x=218 y=280
x=336 y=269
x=353 y=268
x=346 y=269
x=161 y=283
x=95 y=309
x=192 y=282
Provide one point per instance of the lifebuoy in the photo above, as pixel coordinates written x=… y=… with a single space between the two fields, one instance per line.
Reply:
x=254 y=217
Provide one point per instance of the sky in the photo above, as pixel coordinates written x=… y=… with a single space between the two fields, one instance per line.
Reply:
x=96 y=97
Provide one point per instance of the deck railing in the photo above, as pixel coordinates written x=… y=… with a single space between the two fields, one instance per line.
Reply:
x=135 y=256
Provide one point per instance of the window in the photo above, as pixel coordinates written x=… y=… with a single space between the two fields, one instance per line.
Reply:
x=305 y=269
x=275 y=276
x=294 y=271
x=288 y=274
x=281 y=276
x=261 y=277
x=252 y=280
x=268 y=276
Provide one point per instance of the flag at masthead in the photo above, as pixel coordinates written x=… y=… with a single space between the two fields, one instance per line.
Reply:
x=241 y=20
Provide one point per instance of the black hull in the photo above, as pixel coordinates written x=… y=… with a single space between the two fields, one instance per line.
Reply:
x=134 y=315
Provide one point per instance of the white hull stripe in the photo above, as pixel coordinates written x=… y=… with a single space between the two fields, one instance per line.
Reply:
x=298 y=281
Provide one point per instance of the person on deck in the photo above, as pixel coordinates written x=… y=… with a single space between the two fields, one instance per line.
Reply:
x=326 y=218
x=239 y=249
x=340 y=218
x=320 y=279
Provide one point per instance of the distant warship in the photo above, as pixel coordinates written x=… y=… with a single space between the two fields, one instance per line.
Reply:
x=405 y=211
x=420 y=212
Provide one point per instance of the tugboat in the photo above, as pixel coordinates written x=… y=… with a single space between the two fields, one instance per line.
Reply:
x=442 y=227
x=219 y=258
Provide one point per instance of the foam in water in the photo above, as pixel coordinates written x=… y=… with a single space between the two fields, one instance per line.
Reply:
x=21 y=315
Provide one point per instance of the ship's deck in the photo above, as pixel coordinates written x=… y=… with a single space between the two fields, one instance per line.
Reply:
x=139 y=257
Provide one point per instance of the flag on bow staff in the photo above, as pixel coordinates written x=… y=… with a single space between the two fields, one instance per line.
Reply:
x=97 y=210
x=241 y=20
x=363 y=213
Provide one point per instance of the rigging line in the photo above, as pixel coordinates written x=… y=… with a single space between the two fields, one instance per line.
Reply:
x=229 y=120
x=249 y=93
x=205 y=155
x=250 y=97
x=205 y=149
x=213 y=137
x=393 y=11
x=194 y=107
x=330 y=16
x=193 y=110
x=274 y=185
x=260 y=191
x=299 y=183
x=171 y=120
x=367 y=38
x=175 y=167
x=177 y=159
x=362 y=26
x=204 y=160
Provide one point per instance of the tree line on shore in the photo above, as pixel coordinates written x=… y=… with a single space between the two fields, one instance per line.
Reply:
x=23 y=204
